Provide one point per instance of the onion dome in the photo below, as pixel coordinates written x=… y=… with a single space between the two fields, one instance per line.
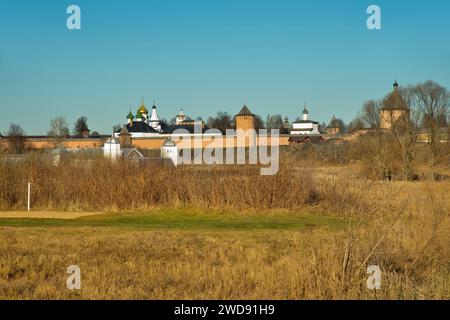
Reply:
x=130 y=116
x=394 y=101
x=143 y=109
x=139 y=114
x=305 y=111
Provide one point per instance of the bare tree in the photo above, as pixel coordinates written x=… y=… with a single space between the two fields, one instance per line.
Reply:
x=117 y=127
x=433 y=101
x=221 y=121
x=371 y=114
x=16 y=138
x=323 y=127
x=59 y=130
x=380 y=142
x=338 y=123
x=259 y=123
x=406 y=130
x=274 y=122
x=356 y=124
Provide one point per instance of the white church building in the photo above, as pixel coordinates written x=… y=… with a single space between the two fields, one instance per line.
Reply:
x=142 y=125
x=305 y=126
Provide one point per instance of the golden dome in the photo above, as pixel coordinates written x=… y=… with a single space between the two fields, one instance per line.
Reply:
x=143 y=109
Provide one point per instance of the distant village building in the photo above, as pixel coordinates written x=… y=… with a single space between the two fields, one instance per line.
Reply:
x=305 y=139
x=394 y=109
x=334 y=128
x=184 y=126
x=442 y=135
x=305 y=126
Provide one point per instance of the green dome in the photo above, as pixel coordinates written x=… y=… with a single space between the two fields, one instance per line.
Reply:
x=139 y=114
x=130 y=116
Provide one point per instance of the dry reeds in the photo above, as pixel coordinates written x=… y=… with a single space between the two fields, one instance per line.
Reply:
x=100 y=185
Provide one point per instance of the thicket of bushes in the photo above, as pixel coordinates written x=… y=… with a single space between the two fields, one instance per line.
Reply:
x=379 y=159
x=101 y=185
x=97 y=184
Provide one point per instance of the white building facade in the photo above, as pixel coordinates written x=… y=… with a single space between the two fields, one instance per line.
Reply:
x=169 y=150
x=111 y=149
x=305 y=126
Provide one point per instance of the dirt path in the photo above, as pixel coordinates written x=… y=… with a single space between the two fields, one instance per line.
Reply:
x=46 y=214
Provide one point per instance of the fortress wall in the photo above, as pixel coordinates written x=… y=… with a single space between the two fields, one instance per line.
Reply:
x=150 y=143
x=45 y=143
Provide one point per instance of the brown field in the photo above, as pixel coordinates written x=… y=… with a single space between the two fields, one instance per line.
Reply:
x=202 y=234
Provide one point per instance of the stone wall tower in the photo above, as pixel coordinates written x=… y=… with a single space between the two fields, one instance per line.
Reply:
x=394 y=110
x=125 y=138
x=245 y=120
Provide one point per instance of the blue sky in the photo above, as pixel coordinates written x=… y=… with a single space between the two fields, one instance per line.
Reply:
x=210 y=55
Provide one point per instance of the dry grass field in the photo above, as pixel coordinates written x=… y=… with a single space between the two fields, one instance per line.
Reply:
x=304 y=234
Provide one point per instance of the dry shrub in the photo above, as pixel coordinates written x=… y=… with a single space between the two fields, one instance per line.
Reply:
x=325 y=152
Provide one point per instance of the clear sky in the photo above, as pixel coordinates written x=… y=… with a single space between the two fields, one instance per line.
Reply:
x=211 y=55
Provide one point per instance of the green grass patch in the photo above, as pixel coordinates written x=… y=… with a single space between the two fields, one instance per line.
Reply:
x=188 y=219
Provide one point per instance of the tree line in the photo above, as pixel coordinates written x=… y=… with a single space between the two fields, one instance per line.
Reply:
x=58 y=131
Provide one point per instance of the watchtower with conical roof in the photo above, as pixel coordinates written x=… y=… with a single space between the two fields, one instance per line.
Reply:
x=125 y=138
x=394 y=109
x=245 y=120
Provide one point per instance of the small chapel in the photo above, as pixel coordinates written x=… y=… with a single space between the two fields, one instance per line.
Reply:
x=305 y=126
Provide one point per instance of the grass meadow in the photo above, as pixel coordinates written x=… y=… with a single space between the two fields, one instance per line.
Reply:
x=221 y=233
